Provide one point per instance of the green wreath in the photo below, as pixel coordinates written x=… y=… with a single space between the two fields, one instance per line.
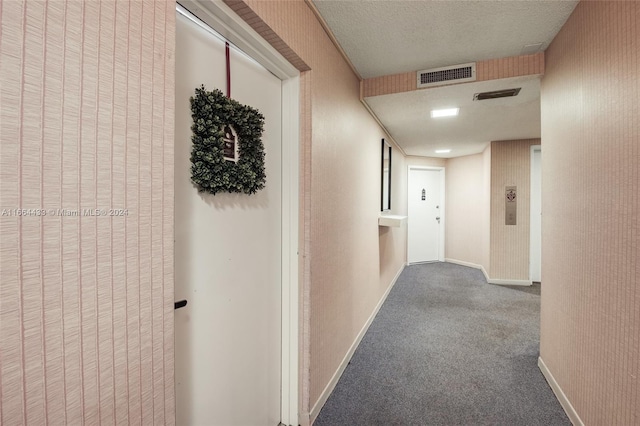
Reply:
x=214 y=114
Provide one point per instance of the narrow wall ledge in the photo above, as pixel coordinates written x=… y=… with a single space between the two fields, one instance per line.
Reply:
x=392 y=220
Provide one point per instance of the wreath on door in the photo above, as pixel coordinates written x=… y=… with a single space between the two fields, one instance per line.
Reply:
x=227 y=153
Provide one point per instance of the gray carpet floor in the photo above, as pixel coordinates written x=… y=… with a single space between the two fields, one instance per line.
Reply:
x=447 y=348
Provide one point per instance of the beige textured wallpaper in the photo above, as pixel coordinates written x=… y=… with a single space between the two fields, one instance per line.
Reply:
x=467 y=210
x=342 y=276
x=590 y=320
x=393 y=241
x=510 y=166
x=486 y=225
x=86 y=297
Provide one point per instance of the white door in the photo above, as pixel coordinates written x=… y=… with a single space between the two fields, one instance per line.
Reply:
x=425 y=215
x=535 y=263
x=228 y=256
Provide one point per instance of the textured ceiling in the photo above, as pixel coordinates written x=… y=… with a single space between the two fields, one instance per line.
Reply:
x=407 y=116
x=390 y=37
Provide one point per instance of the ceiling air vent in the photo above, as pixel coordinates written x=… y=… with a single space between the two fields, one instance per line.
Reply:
x=447 y=75
x=505 y=93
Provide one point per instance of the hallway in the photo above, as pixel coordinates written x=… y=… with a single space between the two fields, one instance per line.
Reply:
x=90 y=196
x=448 y=349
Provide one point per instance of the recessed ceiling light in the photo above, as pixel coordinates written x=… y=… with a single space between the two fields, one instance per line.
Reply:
x=442 y=151
x=448 y=112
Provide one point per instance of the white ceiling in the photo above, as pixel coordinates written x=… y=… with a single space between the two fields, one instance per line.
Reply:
x=407 y=116
x=390 y=37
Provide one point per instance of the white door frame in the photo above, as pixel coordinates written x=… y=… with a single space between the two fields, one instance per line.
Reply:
x=441 y=171
x=532 y=213
x=226 y=22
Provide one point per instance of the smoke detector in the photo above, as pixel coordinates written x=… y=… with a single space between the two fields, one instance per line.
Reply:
x=530 y=49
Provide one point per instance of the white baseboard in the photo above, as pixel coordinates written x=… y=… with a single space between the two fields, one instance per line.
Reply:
x=469 y=264
x=509 y=282
x=486 y=276
x=562 y=398
x=345 y=361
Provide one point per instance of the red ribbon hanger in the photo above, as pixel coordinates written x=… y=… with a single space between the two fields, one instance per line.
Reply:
x=226 y=46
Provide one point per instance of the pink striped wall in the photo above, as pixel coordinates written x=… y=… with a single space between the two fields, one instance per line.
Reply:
x=510 y=166
x=590 y=314
x=490 y=69
x=86 y=314
x=512 y=66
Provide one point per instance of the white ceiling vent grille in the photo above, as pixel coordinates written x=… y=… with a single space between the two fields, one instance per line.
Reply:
x=447 y=75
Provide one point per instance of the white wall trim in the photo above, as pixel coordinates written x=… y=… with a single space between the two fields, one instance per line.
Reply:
x=345 y=361
x=562 y=398
x=508 y=282
x=470 y=265
x=486 y=276
x=465 y=263
x=225 y=21
x=443 y=200
x=290 y=219
x=533 y=149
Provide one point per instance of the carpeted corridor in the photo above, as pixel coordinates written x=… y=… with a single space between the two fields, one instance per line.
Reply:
x=447 y=348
